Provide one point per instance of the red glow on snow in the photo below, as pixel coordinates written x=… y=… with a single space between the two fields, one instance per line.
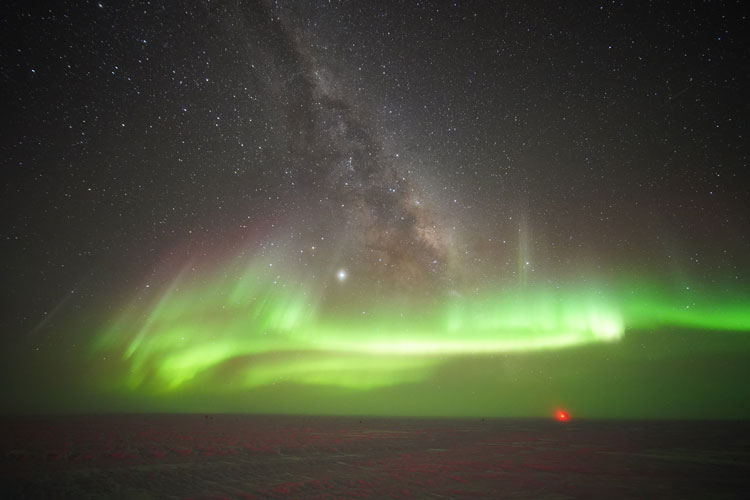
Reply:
x=562 y=416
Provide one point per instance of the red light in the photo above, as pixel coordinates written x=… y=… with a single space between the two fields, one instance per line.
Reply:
x=562 y=416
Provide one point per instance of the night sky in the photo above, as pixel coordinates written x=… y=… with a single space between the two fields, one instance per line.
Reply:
x=379 y=208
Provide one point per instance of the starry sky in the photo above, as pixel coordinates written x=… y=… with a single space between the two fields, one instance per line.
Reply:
x=386 y=208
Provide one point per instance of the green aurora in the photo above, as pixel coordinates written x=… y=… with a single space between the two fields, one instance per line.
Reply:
x=222 y=337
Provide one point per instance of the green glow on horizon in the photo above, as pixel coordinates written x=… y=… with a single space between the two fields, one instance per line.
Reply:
x=697 y=309
x=247 y=329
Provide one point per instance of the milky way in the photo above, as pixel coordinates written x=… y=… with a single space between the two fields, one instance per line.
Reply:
x=366 y=197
